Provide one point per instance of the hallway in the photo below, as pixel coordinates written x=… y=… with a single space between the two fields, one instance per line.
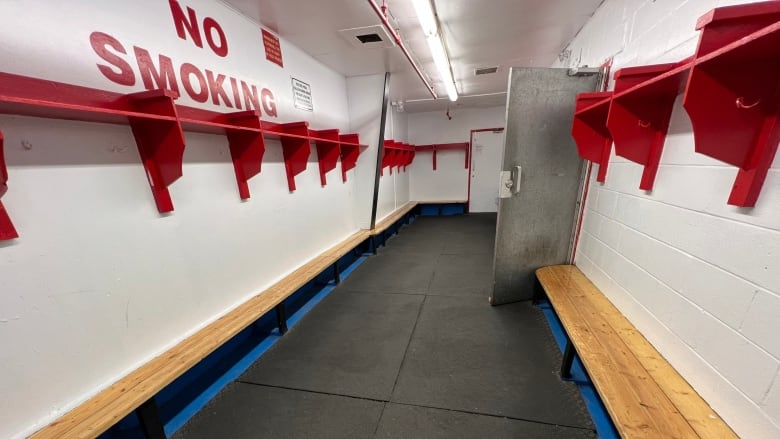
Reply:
x=408 y=347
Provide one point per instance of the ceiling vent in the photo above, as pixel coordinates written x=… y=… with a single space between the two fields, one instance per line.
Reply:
x=370 y=37
x=485 y=70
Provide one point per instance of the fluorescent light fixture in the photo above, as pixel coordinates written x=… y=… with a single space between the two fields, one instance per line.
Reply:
x=431 y=30
x=442 y=65
x=425 y=15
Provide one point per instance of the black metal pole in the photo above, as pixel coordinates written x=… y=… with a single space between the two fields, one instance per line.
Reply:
x=568 y=359
x=380 y=148
x=149 y=418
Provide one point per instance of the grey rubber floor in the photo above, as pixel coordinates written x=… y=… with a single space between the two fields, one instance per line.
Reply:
x=409 y=347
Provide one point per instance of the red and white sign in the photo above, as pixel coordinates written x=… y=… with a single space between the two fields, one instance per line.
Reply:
x=208 y=54
x=273 y=50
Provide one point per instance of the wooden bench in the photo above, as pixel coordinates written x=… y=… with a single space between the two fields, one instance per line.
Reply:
x=643 y=393
x=136 y=390
x=381 y=227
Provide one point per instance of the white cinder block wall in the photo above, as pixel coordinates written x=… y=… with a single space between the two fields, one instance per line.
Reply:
x=699 y=278
x=450 y=179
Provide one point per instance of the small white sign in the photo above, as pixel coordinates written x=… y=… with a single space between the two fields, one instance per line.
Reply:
x=302 y=95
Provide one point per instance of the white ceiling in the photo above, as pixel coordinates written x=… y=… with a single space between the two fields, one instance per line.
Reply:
x=477 y=33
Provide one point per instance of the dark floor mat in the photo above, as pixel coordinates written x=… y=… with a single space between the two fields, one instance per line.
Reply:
x=247 y=411
x=403 y=421
x=466 y=355
x=463 y=275
x=415 y=243
x=393 y=273
x=471 y=244
x=350 y=344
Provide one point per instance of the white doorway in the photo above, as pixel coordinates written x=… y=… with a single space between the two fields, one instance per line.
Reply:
x=487 y=153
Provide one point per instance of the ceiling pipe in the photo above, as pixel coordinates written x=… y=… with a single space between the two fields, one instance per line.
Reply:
x=380 y=12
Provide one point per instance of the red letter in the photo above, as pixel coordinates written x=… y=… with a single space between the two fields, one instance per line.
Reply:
x=188 y=69
x=100 y=41
x=269 y=102
x=164 y=79
x=236 y=95
x=210 y=24
x=251 y=96
x=180 y=21
x=216 y=88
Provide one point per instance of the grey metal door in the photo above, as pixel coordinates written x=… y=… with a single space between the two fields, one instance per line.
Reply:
x=535 y=222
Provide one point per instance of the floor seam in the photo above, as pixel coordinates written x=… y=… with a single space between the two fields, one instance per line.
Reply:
x=379 y=421
x=467 y=412
x=408 y=343
x=318 y=392
x=358 y=291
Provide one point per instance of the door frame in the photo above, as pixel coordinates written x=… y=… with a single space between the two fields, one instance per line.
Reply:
x=471 y=157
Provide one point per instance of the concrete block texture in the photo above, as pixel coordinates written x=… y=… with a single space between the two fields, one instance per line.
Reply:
x=699 y=278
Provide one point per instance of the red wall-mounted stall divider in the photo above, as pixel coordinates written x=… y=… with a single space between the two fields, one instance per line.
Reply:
x=425 y=148
x=244 y=133
x=247 y=148
x=296 y=147
x=328 y=151
x=733 y=93
x=160 y=142
x=7 y=229
x=640 y=112
x=455 y=146
x=589 y=129
x=151 y=115
x=158 y=124
x=350 y=151
x=443 y=147
x=388 y=155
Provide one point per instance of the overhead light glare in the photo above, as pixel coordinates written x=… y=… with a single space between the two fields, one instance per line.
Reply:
x=425 y=14
x=430 y=28
x=442 y=65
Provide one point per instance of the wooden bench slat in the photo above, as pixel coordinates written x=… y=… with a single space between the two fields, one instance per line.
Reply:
x=105 y=409
x=696 y=411
x=577 y=300
x=391 y=219
x=617 y=374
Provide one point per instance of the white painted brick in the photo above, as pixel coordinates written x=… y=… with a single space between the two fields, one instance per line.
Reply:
x=761 y=322
x=594 y=249
x=722 y=294
x=646 y=289
x=591 y=223
x=749 y=368
x=771 y=402
x=609 y=232
x=744 y=250
x=606 y=203
x=625 y=178
x=669 y=265
x=687 y=265
x=681 y=24
x=701 y=188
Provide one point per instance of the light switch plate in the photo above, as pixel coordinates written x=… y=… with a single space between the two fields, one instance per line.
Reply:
x=505 y=184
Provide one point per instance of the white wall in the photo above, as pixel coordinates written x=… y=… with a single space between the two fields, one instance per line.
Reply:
x=365 y=104
x=365 y=107
x=699 y=278
x=450 y=179
x=99 y=282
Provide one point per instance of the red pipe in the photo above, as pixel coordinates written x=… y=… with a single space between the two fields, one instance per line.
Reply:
x=380 y=12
